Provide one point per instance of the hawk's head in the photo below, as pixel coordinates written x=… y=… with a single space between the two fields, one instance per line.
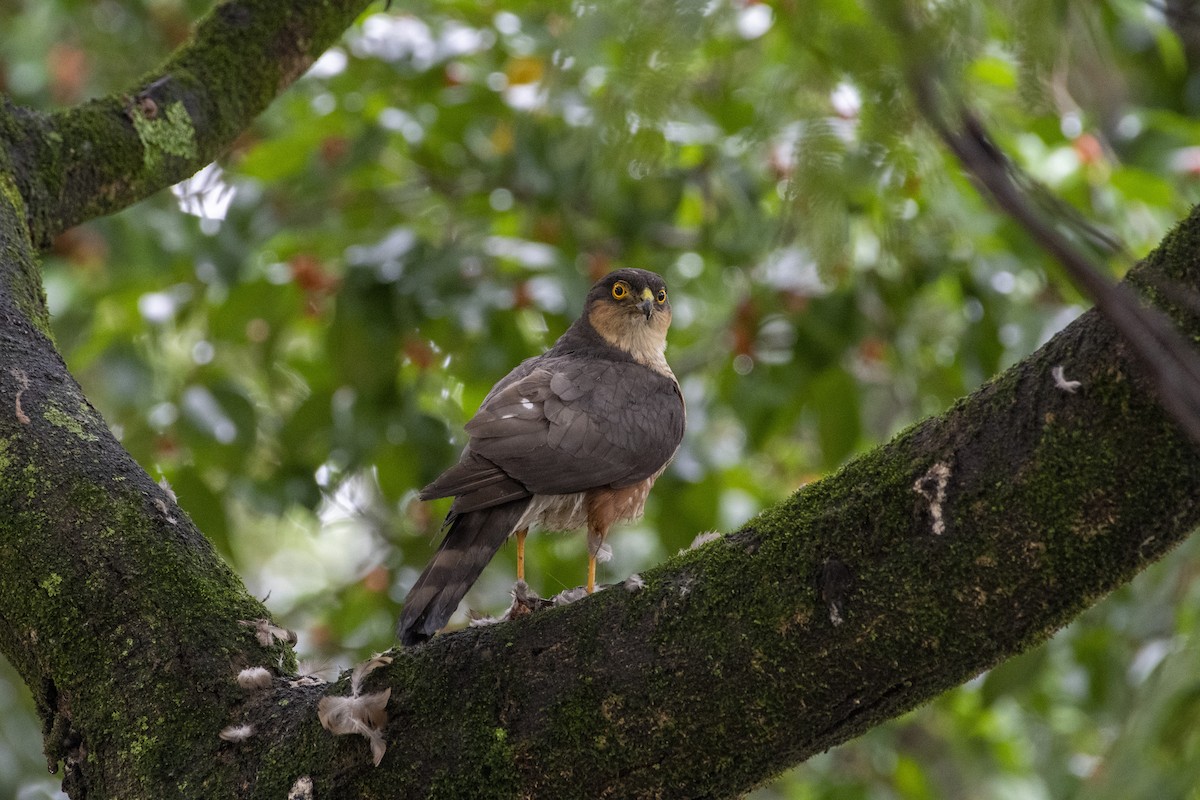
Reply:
x=630 y=309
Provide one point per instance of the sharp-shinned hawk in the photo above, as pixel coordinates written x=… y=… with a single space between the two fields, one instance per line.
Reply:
x=572 y=438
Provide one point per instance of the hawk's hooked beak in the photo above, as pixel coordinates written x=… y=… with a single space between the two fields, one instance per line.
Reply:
x=647 y=304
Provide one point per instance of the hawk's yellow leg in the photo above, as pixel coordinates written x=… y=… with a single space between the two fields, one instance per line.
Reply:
x=521 y=553
x=591 y=584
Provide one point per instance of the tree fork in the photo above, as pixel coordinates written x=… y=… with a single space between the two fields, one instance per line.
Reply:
x=967 y=539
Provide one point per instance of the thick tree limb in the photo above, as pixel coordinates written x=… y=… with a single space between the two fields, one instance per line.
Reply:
x=114 y=609
x=106 y=154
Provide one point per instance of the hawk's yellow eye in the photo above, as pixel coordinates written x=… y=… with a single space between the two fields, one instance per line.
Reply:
x=620 y=290
x=662 y=296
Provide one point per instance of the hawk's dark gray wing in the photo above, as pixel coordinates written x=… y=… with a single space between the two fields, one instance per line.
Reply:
x=563 y=424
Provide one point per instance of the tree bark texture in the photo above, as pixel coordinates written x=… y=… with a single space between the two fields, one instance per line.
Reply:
x=967 y=539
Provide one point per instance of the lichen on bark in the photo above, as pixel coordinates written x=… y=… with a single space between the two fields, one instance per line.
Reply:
x=164 y=132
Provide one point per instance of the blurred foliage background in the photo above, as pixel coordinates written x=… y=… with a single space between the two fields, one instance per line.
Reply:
x=294 y=337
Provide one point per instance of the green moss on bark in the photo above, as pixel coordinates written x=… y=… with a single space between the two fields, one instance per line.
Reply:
x=61 y=419
x=18 y=271
x=165 y=132
x=159 y=608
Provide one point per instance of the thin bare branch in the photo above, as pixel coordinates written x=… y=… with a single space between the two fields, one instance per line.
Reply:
x=1168 y=358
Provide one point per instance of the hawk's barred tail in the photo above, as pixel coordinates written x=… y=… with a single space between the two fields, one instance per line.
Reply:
x=470 y=543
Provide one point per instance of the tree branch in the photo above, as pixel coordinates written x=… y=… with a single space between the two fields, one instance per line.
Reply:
x=114 y=609
x=106 y=154
x=1170 y=360
x=1172 y=363
x=968 y=539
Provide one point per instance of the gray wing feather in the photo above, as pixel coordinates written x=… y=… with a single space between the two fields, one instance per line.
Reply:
x=597 y=423
x=563 y=424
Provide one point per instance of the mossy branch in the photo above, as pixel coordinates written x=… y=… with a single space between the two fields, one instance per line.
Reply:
x=114 y=609
x=106 y=154
x=969 y=538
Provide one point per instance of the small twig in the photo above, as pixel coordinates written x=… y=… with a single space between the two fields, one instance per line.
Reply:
x=1173 y=365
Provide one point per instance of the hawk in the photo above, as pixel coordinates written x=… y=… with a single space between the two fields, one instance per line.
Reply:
x=570 y=439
